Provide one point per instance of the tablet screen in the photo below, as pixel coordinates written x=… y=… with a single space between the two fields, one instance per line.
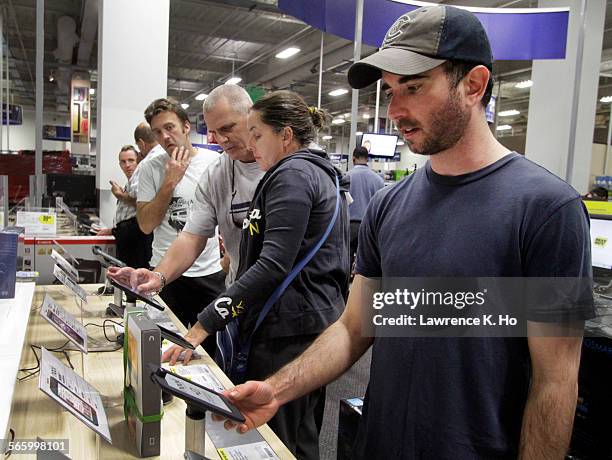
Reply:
x=196 y=392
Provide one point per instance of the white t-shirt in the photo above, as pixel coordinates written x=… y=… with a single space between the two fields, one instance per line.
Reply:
x=222 y=198
x=132 y=188
x=151 y=177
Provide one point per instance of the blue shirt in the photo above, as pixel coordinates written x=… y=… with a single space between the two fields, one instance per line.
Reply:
x=463 y=398
x=364 y=184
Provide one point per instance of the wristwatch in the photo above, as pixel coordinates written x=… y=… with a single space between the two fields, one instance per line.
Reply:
x=162 y=279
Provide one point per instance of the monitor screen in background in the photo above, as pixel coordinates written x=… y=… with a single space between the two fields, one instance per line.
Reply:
x=601 y=243
x=382 y=145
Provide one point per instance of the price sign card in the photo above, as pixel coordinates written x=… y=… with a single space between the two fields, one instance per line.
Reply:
x=64 y=322
x=37 y=223
x=65 y=279
x=68 y=389
x=65 y=265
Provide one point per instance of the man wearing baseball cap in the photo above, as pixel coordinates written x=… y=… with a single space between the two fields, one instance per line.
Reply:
x=475 y=210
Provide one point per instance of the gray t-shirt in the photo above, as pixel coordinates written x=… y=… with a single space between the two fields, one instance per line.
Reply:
x=222 y=198
x=150 y=181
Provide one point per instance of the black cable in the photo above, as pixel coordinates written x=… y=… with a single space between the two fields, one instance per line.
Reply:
x=10 y=451
x=103 y=326
x=36 y=368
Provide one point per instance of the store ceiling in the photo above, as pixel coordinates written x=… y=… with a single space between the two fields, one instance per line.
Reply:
x=210 y=39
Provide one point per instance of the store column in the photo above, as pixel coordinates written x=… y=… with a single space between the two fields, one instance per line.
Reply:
x=132 y=72
x=564 y=96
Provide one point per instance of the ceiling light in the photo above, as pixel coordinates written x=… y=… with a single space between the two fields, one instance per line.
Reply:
x=233 y=81
x=524 y=84
x=51 y=77
x=359 y=133
x=338 y=121
x=92 y=91
x=347 y=115
x=326 y=138
x=201 y=97
x=606 y=99
x=504 y=127
x=185 y=106
x=338 y=92
x=366 y=116
x=287 y=53
x=400 y=142
x=508 y=113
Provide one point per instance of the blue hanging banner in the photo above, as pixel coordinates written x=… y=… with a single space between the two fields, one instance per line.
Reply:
x=514 y=33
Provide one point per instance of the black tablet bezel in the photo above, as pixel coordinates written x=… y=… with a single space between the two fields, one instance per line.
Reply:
x=129 y=290
x=174 y=337
x=159 y=377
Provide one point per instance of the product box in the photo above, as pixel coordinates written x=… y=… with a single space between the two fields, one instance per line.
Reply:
x=142 y=398
x=9 y=241
x=348 y=421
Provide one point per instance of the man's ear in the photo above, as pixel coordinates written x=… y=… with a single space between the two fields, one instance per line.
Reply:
x=186 y=126
x=475 y=84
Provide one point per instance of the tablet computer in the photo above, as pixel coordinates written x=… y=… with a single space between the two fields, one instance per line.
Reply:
x=195 y=395
x=174 y=337
x=128 y=290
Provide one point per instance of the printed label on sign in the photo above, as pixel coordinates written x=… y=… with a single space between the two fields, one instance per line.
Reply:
x=255 y=451
x=46 y=219
x=37 y=223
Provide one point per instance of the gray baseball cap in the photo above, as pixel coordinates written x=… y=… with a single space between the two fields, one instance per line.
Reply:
x=423 y=39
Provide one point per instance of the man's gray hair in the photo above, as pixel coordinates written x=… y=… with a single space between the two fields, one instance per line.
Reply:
x=236 y=96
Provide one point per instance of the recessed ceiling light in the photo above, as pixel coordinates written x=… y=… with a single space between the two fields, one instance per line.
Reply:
x=366 y=116
x=347 y=115
x=287 y=53
x=606 y=99
x=338 y=92
x=233 y=81
x=504 y=127
x=201 y=97
x=400 y=142
x=338 y=121
x=92 y=91
x=508 y=113
x=326 y=138
x=358 y=133
x=185 y=106
x=524 y=84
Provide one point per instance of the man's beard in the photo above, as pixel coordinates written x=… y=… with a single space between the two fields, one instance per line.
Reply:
x=446 y=127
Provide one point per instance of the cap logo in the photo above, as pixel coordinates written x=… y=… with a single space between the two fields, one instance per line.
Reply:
x=396 y=30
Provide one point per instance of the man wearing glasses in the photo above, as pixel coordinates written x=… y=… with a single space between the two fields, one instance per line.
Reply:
x=222 y=197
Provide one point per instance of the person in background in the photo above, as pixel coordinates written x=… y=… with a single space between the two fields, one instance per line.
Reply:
x=292 y=208
x=133 y=246
x=364 y=184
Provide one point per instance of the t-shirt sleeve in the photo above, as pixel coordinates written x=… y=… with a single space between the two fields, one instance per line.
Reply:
x=133 y=187
x=146 y=183
x=288 y=201
x=558 y=266
x=202 y=218
x=367 y=262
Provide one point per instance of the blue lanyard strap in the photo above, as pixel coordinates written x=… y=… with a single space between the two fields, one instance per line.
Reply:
x=298 y=267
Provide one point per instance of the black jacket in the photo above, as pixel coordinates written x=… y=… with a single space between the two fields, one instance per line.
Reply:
x=292 y=206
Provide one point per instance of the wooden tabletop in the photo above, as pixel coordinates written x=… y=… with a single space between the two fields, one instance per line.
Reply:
x=34 y=414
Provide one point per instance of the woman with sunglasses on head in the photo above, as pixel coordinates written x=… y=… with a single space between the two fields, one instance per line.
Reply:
x=298 y=217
